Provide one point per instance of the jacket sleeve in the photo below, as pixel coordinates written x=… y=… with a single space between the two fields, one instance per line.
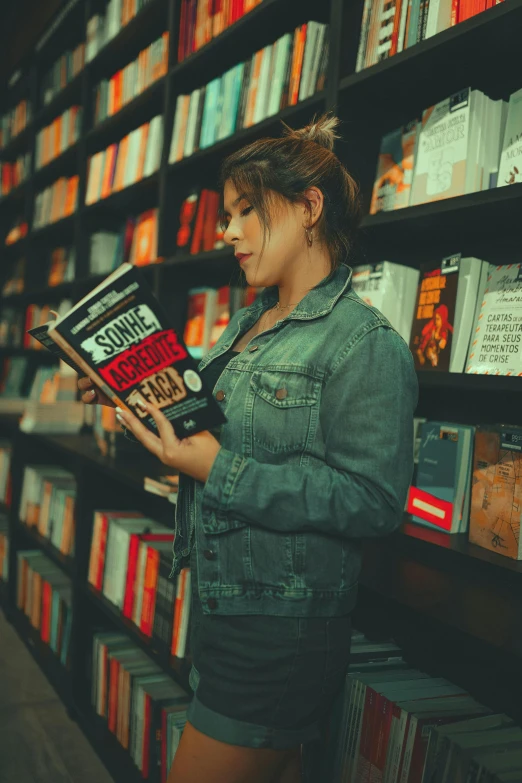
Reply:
x=360 y=491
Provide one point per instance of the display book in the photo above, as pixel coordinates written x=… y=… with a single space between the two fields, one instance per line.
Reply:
x=121 y=338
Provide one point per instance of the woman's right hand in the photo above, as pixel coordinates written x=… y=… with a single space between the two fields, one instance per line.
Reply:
x=91 y=395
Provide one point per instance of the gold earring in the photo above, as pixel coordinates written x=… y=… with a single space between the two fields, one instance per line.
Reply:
x=309 y=236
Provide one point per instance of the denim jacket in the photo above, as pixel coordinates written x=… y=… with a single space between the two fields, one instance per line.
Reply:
x=316 y=455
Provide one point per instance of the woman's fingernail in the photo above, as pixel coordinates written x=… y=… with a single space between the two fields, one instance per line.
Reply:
x=119 y=410
x=119 y=417
x=91 y=394
x=141 y=404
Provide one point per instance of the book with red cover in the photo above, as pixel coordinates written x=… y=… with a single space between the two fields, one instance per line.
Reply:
x=134 y=545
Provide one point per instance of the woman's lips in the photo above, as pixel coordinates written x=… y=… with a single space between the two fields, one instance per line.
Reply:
x=242 y=257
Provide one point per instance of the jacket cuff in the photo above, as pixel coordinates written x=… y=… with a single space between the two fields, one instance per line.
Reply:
x=219 y=486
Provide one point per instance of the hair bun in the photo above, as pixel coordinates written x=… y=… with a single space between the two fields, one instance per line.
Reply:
x=320 y=130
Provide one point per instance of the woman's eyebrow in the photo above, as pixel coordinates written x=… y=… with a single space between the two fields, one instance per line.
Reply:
x=235 y=203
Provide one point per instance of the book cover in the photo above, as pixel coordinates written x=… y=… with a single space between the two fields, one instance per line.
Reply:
x=394 y=175
x=432 y=329
x=496 y=494
x=510 y=170
x=496 y=338
x=123 y=340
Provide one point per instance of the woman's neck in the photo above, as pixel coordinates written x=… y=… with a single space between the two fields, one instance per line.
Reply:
x=302 y=277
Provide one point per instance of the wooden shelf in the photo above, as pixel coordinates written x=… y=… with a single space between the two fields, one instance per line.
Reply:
x=54 y=230
x=70 y=95
x=16 y=145
x=63 y=165
x=468 y=383
x=124 y=199
x=32 y=536
x=179 y=668
x=13 y=195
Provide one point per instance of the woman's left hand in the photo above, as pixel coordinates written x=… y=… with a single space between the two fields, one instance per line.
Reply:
x=193 y=456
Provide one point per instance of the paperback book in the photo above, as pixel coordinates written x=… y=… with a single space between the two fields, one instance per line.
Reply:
x=121 y=338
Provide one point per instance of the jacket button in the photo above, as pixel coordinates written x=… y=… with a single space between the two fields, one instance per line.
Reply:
x=211 y=603
x=281 y=394
x=208 y=554
x=220 y=395
x=253 y=348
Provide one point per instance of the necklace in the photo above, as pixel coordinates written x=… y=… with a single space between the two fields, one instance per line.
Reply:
x=277 y=306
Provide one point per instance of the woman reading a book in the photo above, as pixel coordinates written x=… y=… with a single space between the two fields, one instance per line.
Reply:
x=316 y=454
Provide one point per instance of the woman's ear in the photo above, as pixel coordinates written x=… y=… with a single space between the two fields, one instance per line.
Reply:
x=314 y=206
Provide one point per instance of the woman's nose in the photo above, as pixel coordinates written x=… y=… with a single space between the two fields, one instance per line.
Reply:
x=232 y=234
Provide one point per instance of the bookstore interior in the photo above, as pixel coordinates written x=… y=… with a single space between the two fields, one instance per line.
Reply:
x=112 y=132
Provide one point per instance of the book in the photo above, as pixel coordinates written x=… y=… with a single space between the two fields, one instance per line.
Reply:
x=496 y=343
x=441 y=496
x=434 y=318
x=392 y=187
x=392 y=289
x=510 y=169
x=496 y=495
x=121 y=338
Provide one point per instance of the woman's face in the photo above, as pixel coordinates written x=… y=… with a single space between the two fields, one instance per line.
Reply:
x=284 y=244
x=438 y=321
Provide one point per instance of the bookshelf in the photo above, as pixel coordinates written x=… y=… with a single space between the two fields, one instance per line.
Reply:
x=454 y=607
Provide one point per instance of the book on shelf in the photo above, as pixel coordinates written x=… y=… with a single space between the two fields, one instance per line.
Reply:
x=4 y=547
x=62 y=267
x=44 y=596
x=496 y=342
x=389 y=28
x=5 y=472
x=393 y=179
x=54 y=139
x=11 y=327
x=103 y=27
x=134 y=158
x=13 y=122
x=200 y=22
x=15 y=282
x=440 y=497
x=126 y=84
x=144 y=247
x=458 y=147
x=510 y=169
x=57 y=201
x=13 y=174
x=17 y=231
x=134 y=696
x=15 y=384
x=392 y=289
x=496 y=493
x=444 y=313
x=134 y=355
x=290 y=70
x=164 y=486
x=62 y=72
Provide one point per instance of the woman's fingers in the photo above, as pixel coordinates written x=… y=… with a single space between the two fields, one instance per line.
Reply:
x=165 y=428
x=144 y=435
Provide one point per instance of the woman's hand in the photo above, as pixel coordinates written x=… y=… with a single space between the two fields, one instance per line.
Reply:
x=193 y=456
x=91 y=395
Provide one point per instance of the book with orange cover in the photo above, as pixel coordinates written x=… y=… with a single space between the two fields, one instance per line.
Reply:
x=178 y=608
x=57 y=136
x=71 y=195
x=120 y=164
x=144 y=249
x=111 y=154
x=58 y=266
x=297 y=65
x=252 y=91
x=144 y=135
x=149 y=591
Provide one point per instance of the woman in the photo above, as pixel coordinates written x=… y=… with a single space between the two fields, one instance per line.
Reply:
x=319 y=393
x=435 y=336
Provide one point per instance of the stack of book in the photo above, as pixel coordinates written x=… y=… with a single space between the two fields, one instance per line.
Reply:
x=13 y=174
x=150 y=65
x=52 y=407
x=38 y=315
x=291 y=70
x=15 y=282
x=62 y=266
x=54 y=139
x=453 y=150
x=101 y=28
x=62 y=71
x=136 y=156
x=17 y=232
x=130 y=563
x=209 y=312
x=47 y=503
x=14 y=122
x=392 y=289
x=144 y=708
x=56 y=202
x=5 y=472
x=44 y=595
x=4 y=547
x=389 y=28
x=200 y=21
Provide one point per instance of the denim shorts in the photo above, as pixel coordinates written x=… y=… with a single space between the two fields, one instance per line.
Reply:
x=266 y=682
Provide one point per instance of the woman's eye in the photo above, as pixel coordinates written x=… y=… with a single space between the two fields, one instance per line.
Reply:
x=246 y=211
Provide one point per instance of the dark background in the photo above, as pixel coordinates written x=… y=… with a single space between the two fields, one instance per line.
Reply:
x=22 y=22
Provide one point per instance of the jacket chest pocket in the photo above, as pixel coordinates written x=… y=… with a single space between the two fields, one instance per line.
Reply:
x=285 y=408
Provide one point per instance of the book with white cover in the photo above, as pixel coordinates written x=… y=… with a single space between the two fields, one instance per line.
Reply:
x=447 y=148
x=263 y=85
x=439 y=17
x=281 y=53
x=179 y=129
x=154 y=146
x=190 y=136
x=472 y=273
x=392 y=289
x=496 y=347
x=510 y=170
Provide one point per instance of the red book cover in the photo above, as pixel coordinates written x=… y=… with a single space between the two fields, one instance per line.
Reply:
x=182 y=31
x=113 y=694
x=396 y=26
x=178 y=607
x=197 y=236
x=46 y=597
x=163 y=778
x=428 y=507
x=134 y=545
x=149 y=591
x=455 y=12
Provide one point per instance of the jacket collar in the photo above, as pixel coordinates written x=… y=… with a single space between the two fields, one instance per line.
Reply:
x=317 y=302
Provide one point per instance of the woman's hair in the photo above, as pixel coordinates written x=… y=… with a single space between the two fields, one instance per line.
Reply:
x=287 y=167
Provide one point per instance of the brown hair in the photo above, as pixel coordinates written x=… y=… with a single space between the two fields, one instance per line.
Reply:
x=287 y=167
